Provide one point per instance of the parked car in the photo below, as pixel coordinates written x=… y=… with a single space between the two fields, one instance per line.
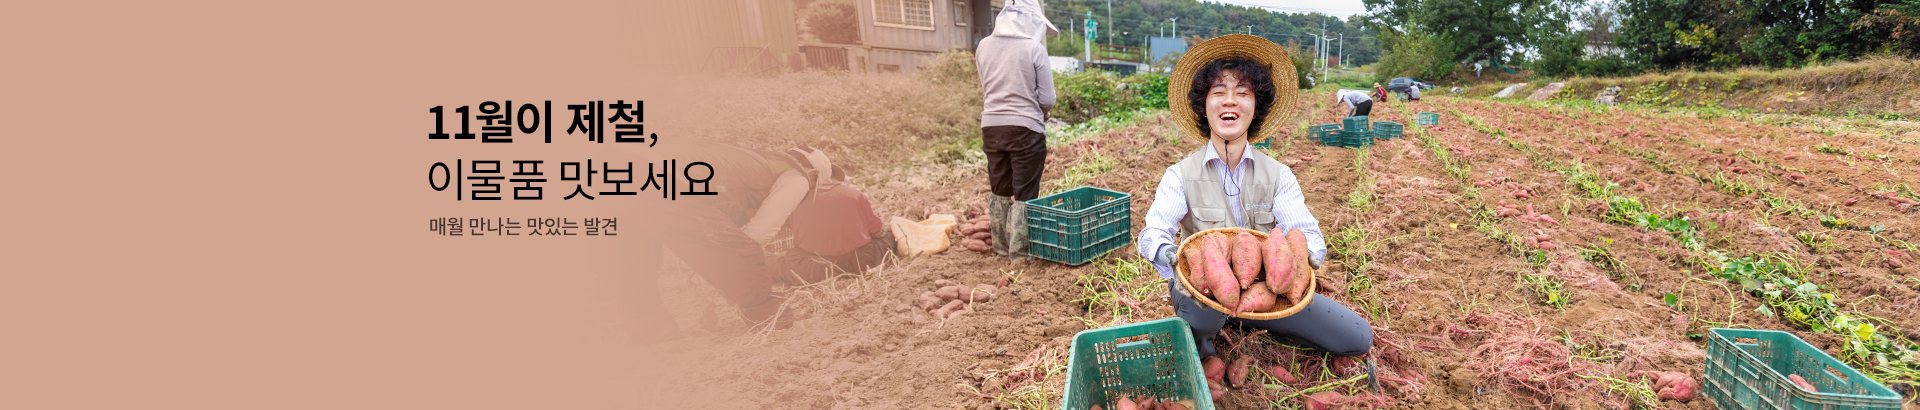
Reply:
x=1399 y=85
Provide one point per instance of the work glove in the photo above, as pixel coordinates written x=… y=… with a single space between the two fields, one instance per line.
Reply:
x=1319 y=257
x=1166 y=257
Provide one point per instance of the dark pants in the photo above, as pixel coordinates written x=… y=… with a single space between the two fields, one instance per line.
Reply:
x=629 y=276
x=1324 y=325
x=708 y=240
x=1363 y=108
x=1016 y=156
x=800 y=267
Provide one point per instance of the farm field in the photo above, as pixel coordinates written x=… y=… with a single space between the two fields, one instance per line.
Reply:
x=1518 y=255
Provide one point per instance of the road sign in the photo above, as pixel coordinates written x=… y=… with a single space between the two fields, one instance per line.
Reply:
x=1092 y=27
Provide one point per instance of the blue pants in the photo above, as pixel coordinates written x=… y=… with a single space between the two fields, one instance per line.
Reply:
x=1324 y=325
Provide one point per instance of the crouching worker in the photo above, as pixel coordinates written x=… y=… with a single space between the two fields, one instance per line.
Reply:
x=1356 y=101
x=722 y=236
x=1223 y=94
x=835 y=229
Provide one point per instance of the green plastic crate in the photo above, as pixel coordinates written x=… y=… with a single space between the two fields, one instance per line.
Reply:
x=1324 y=133
x=1355 y=124
x=1387 y=130
x=1427 y=119
x=1073 y=227
x=1747 y=370
x=1267 y=143
x=1353 y=139
x=1149 y=358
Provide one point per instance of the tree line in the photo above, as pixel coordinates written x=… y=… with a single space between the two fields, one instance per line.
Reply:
x=1433 y=38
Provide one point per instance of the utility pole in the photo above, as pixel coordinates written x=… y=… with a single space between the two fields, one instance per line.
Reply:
x=1323 y=52
x=1176 y=26
x=1110 y=21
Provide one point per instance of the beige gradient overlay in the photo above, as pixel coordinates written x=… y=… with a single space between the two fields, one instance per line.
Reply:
x=224 y=205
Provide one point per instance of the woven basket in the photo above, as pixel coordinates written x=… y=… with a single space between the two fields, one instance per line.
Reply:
x=1180 y=267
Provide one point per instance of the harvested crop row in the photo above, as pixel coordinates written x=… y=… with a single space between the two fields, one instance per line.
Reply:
x=1878 y=311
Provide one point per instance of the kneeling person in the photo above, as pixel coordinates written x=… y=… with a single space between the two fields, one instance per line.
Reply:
x=1223 y=93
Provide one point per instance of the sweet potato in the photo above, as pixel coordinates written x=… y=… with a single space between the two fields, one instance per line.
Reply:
x=1257 y=298
x=1216 y=390
x=1281 y=373
x=1802 y=382
x=1278 y=261
x=1214 y=368
x=1196 y=270
x=929 y=301
x=1325 y=400
x=1125 y=403
x=1297 y=241
x=976 y=245
x=981 y=235
x=1677 y=386
x=952 y=306
x=1237 y=372
x=1214 y=256
x=1146 y=403
x=950 y=292
x=1246 y=258
x=1175 y=406
x=976 y=294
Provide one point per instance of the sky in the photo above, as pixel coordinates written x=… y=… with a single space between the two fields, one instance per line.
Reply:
x=1340 y=8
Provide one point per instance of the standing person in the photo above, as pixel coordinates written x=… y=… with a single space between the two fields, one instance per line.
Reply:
x=1223 y=94
x=1017 y=80
x=1357 y=102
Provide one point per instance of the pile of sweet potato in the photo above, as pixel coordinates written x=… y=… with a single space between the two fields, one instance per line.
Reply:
x=976 y=234
x=952 y=299
x=1678 y=386
x=1147 y=403
x=1247 y=274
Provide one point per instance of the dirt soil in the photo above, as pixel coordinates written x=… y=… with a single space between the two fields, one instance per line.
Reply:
x=1457 y=324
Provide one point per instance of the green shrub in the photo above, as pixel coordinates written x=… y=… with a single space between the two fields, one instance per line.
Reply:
x=1083 y=96
x=1150 y=90
x=1417 y=54
x=833 y=21
x=1087 y=95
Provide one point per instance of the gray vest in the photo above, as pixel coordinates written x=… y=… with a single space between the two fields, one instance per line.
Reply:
x=1207 y=206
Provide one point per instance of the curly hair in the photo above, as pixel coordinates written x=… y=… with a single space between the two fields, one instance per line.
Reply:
x=1255 y=75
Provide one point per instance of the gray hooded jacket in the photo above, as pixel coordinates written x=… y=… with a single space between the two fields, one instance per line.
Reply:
x=1015 y=74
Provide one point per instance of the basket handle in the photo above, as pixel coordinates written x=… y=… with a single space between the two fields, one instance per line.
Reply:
x=1148 y=340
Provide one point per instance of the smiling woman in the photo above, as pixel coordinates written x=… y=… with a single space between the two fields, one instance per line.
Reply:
x=1228 y=82
x=1239 y=84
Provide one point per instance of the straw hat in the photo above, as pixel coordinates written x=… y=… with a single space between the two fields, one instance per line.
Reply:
x=1285 y=82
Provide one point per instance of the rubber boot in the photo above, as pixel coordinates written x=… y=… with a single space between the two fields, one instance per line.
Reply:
x=763 y=311
x=997 y=210
x=1017 y=231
